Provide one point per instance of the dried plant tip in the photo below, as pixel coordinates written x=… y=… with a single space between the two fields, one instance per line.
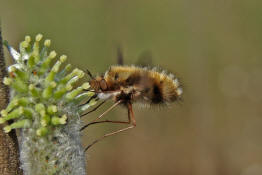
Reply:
x=42 y=131
x=18 y=124
x=59 y=120
x=28 y=39
x=34 y=91
x=52 y=54
x=7 y=129
x=45 y=120
x=51 y=109
x=38 y=37
x=24 y=44
x=4 y=113
x=47 y=43
x=14 y=114
x=7 y=81
x=63 y=58
x=86 y=86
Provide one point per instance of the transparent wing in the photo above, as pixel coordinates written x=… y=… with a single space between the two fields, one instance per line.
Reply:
x=145 y=59
x=120 y=57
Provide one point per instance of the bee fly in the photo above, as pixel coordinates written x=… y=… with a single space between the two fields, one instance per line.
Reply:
x=128 y=84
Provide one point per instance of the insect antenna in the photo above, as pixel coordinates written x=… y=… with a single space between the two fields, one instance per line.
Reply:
x=90 y=74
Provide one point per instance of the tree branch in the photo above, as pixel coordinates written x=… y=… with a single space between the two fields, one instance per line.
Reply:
x=9 y=151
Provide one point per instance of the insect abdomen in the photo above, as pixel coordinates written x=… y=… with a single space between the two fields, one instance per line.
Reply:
x=157 y=96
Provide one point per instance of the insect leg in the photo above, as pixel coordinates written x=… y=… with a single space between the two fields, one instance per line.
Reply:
x=109 y=109
x=131 y=114
x=95 y=108
x=95 y=97
x=131 y=119
x=104 y=121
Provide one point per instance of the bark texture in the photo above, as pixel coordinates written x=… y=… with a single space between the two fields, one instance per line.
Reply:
x=9 y=151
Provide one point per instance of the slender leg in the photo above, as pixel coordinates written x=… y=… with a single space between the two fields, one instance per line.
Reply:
x=109 y=109
x=94 y=108
x=131 y=119
x=104 y=121
x=106 y=135
x=131 y=113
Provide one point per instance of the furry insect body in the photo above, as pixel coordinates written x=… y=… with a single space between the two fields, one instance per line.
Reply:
x=128 y=84
x=131 y=83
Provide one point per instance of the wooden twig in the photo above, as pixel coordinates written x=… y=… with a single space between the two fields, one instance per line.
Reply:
x=9 y=151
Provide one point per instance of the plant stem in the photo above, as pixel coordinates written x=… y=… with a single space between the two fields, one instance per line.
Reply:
x=9 y=151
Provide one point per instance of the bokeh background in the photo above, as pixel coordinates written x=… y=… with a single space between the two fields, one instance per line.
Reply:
x=215 y=47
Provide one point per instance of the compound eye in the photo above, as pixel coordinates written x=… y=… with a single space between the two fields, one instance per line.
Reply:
x=103 y=85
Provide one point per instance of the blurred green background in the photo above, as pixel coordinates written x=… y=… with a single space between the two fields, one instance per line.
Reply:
x=214 y=46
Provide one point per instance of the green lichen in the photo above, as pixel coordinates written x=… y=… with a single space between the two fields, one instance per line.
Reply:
x=44 y=104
